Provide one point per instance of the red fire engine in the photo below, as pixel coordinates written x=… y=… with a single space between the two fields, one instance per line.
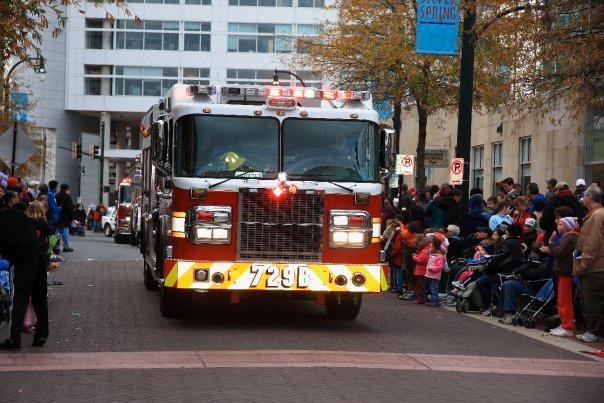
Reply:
x=124 y=201
x=250 y=190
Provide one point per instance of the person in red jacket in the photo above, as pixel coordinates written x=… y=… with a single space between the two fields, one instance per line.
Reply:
x=420 y=258
x=561 y=250
x=404 y=246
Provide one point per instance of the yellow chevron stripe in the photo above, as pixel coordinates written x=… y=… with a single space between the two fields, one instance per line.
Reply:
x=383 y=280
x=171 y=278
x=179 y=214
x=177 y=234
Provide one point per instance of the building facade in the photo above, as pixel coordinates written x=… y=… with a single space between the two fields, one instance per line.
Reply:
x=106 y=74
x=528 y=149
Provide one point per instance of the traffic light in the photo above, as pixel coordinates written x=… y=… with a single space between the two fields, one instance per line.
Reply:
x=93 y=151
x=76 y=151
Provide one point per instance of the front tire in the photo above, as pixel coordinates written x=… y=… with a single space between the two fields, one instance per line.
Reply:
x=343 y=306
x=107 y=230
x=174 y=303
x=150 y=283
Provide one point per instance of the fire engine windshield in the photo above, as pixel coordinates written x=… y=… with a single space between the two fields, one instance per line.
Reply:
x=331 y=150
x=227 y=146
x=125 y=194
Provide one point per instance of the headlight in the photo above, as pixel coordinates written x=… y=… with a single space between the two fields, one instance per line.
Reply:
x=350 y=229
x=209 y=224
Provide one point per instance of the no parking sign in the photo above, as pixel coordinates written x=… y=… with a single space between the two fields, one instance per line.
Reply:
x=404 y=164
x=456 y=171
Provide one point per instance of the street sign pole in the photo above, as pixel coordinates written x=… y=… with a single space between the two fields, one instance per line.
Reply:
x=14 y=151
x=464 y=117
x=101 y=160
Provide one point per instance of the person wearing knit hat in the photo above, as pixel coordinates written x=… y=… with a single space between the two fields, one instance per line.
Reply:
x=570 y=223
x=561 y=249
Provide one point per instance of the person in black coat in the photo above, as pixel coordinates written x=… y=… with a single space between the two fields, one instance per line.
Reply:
x=65 y=216
x=563 y=197
x=507 y=257
x=26 y=252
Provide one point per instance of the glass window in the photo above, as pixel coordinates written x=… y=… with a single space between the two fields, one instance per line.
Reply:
x=153 y=41
x=231 y=73
x=134 y=40
x=171 y=25
x=153 y=25
x=477 y=167
x=283 y=44
x=233 y=2
x=119 y=70
x=119 y=86
x=220 y=146
x=191 y=42
x=92 y=86
x=267 y=3
x=497 y=165
x=247 y=3
x=133 y=87
x=246 y=44
x=266 y=28
x=133 y=71
x=94 y=22
x=93 y=69
x=188 y=72
x=266 y=44
x=166 y=85
x=170 y=41
x=132 y=24
x=94 y=40
x=525 y=161
x=152 y=88
x=120 y=40
x=349 y=153
x=152 y=71
x=192 y=26
x=204 y=45
x=170 y=72
x=305 y=3
x=247 y=28
x=284 y=3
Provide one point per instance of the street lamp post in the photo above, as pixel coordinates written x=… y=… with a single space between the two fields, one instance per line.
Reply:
x=40 y=70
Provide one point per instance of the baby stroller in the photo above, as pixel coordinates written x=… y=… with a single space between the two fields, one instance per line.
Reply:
x=468 y=297
x=535 y=307
x=5 y=290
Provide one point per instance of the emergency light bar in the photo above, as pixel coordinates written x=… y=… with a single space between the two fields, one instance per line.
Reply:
x=308 y=93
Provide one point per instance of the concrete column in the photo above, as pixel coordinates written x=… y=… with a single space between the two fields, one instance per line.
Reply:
x=107 y=35
x=106 y=118
x=135 y=136
x=120 y=165
x=106 y=82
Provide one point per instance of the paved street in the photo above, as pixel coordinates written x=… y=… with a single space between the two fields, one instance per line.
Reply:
x=272 y=350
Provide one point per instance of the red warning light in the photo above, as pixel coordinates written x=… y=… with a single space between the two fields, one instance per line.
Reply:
x=292 y=189
x=278 y=191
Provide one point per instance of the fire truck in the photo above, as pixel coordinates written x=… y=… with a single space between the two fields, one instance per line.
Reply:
x=263 y=191
x=124 y=200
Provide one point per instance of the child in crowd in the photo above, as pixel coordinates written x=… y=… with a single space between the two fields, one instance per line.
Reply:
x=529 y=234
x=434 y=268
x=562 y=252
x=420 y=258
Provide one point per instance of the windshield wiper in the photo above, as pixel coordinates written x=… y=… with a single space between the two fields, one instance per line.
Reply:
x=317 y=178
x=240 y=175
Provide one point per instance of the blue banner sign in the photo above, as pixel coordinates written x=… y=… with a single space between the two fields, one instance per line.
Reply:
x=20 y=101
x=437 y=27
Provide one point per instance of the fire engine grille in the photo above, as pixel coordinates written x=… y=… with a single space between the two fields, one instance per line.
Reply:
x=288 y=228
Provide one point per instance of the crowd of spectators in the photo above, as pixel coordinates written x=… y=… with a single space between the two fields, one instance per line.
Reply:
x=35 y=219
x=523 y=238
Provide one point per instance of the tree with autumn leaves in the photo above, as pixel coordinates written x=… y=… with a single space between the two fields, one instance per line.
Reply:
x=22 y=28
x=528 y=53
